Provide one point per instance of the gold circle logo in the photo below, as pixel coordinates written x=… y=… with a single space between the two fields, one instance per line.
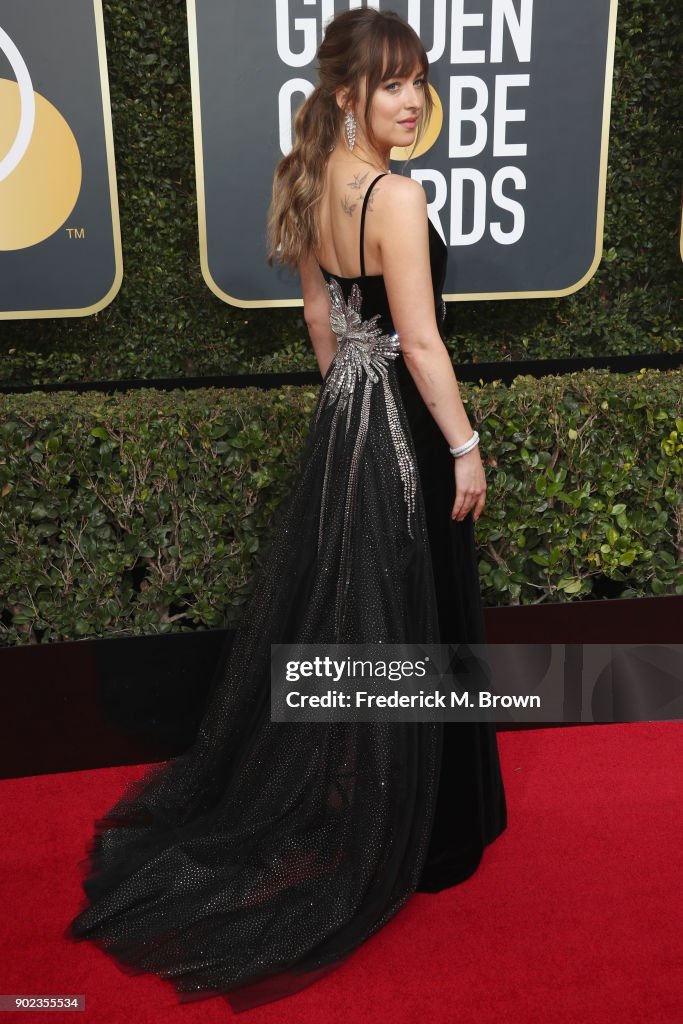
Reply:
x=40 y=163
x=432 y=131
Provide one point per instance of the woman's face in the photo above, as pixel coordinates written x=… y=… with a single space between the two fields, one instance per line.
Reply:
x=395 y=109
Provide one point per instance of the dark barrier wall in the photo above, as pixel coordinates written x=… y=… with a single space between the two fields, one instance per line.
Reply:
x=513 y=161
x=60 y=246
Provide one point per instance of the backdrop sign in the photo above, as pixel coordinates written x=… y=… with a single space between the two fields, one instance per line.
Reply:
x=514 y=163
x=60 y=246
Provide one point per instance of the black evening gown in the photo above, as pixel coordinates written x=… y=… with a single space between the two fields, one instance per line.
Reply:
x=264 y=855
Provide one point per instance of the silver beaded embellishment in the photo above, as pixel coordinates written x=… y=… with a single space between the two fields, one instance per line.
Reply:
x=350 y=129
x=362 y=358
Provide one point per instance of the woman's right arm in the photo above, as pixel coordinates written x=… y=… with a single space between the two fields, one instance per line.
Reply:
x=401 y=227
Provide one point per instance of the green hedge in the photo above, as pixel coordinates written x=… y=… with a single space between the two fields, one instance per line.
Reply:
x=166 y=323
x=148 y=511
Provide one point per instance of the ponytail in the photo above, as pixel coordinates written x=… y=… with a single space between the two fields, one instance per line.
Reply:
x=298 y=180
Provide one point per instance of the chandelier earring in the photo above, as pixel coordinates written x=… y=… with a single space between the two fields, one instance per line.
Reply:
x=350 y=129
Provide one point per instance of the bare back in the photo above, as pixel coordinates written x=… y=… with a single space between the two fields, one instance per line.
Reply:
x=339 y=217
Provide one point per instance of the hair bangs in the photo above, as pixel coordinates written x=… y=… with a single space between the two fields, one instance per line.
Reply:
x=402 y=52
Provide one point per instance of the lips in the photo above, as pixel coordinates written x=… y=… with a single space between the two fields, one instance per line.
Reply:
x=409 y=123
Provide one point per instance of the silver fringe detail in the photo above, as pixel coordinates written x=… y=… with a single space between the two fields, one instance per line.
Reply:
x=363 y=355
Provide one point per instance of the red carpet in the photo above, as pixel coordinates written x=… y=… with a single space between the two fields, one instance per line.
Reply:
x=575 y=914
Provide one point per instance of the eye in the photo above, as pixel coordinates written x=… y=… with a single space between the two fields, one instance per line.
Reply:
x=392 y=86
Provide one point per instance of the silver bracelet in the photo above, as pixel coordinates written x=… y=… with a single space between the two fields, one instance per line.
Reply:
x=466 y=447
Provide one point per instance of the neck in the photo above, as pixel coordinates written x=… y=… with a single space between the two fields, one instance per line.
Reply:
x=379 y=161
x=361 y=151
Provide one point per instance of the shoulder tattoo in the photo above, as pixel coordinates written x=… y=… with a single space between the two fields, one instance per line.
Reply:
x=349 y=203
x=347 y=206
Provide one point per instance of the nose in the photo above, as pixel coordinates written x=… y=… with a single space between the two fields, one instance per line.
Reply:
x=415 y=98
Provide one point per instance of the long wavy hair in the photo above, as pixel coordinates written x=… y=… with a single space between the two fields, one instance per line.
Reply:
x=359 y=44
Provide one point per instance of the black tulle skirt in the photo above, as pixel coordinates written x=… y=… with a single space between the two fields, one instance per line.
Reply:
x=260 y=858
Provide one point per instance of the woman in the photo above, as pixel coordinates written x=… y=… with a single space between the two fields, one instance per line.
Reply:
x=268 y=852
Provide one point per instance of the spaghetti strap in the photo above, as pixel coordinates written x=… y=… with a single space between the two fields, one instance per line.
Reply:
x=362 y=220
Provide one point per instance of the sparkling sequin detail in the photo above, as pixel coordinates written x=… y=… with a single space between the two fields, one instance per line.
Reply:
x=363 y=349
x=362 y=360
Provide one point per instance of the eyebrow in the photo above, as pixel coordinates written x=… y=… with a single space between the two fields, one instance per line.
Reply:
x=419 y=73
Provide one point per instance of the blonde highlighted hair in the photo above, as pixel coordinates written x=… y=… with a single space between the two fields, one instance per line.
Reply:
x=360 y=44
